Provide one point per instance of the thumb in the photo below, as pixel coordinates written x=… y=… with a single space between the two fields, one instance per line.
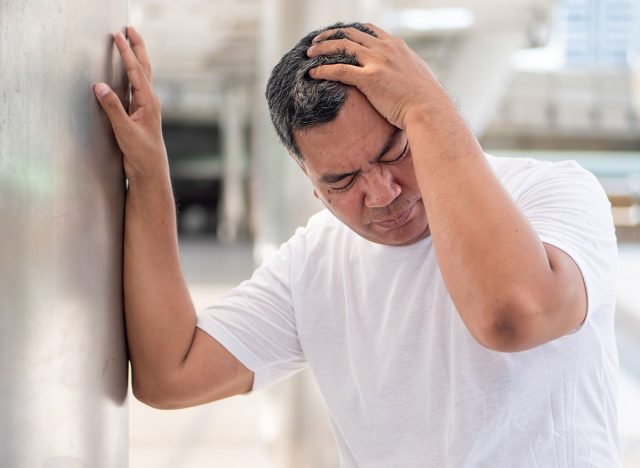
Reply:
x=111 y=104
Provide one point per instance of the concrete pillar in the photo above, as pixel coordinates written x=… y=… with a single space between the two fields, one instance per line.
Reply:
x=63 y=362
x=484 y=56
x=271 y=166
x=233 y=202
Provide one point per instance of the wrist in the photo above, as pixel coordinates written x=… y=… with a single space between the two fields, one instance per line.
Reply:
x=151 y=189
x=153 y=177
x=430 y=110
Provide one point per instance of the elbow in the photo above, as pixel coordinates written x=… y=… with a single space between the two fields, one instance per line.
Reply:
x=509 y=329
x=145 y=393
x=504 y=335
x=153 y=394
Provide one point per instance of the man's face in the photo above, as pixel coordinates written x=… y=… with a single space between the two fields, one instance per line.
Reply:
x=361 y=169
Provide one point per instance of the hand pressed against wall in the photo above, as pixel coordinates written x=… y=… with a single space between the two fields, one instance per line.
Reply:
x=138 y=131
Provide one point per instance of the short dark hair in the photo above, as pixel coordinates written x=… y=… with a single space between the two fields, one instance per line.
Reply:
x=296 y=101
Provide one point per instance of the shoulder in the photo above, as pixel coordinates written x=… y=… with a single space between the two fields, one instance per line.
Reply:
x=528 y=180
x=517 y=169
x=322 y=220
x=319 y=241
x=324 y=230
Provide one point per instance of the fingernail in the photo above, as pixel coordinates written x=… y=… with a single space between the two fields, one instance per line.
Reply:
x=310 y=50
x=101 y=90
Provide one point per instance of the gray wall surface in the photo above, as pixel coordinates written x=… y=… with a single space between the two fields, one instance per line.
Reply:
x=63 y=363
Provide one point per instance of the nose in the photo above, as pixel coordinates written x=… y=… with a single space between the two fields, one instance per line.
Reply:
x=381 y=189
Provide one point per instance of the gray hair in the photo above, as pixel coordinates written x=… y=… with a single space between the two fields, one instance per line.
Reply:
x=296 y=101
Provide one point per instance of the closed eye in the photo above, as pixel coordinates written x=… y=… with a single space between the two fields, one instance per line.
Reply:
x=396 y=159
x=346 y=183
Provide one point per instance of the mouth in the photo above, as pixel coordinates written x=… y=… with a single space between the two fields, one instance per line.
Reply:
x=398 y=220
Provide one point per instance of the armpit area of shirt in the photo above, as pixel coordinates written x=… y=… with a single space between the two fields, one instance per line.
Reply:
x=238 y=349
x=577 y=259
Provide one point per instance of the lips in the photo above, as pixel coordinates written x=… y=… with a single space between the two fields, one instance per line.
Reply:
x=396 y=221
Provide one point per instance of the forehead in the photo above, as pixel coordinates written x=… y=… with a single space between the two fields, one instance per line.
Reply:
x=356 y=135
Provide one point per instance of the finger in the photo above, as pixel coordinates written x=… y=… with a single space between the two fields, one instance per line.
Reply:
x=381 y=33
x=135 y=73
x=112 y=106
x=347 y=74
x=362 y=36
x=352 y=34
x=140 y=50
x=336 y=46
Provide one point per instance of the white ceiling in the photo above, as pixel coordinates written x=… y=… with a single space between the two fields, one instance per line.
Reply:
x=199 y=46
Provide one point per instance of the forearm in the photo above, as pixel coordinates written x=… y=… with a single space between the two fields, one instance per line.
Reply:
x=491 y=259
x=170 y=359
x=159 y=313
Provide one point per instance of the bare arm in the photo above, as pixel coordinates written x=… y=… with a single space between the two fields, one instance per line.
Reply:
x=512 y=291
x=173 y=363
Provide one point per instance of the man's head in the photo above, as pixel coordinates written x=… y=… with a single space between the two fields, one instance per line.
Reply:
x=298 y=102
x=359 y=164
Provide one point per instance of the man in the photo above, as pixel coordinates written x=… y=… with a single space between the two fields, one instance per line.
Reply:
x=456 y=309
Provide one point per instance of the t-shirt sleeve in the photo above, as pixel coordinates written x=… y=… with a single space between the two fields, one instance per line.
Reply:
x=256 y=322
x=568 y=208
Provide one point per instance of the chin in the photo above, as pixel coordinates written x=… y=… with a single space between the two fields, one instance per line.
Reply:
x=406 y=235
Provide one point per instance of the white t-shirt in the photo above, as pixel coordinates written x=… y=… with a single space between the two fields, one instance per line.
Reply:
x=405 y=382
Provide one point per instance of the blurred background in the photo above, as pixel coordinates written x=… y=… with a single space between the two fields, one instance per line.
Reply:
x=548 y=79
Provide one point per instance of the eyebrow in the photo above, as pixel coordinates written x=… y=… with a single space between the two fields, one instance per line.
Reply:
x=332 y=177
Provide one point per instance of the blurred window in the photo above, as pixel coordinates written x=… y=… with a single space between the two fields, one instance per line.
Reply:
x=600 y=33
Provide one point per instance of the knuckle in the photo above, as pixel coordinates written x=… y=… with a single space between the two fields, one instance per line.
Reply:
x=391 y=50
x=398 y=42
x=112 y=102
x=367 y=54
x=370 y=28
x=386 y=59
x=389 y=44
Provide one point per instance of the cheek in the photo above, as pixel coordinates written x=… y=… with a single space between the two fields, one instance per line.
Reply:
x=406 y=174
x=334 y=199
x=345 y=204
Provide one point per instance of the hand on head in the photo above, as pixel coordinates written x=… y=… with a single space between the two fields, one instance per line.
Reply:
x=392 y=76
